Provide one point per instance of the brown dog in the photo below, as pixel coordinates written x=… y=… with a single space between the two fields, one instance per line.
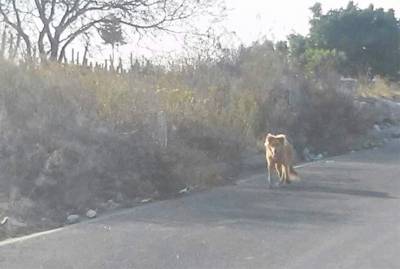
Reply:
x=279 y=156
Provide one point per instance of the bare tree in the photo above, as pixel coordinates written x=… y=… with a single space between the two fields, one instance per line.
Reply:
x=53 y=25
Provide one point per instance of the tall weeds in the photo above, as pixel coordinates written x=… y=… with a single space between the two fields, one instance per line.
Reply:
x=73 y=138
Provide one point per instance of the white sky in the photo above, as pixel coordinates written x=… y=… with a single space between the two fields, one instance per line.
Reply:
x=252 y=20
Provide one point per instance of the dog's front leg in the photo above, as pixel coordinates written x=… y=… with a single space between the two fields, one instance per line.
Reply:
x=280 y=172
x=269 y=167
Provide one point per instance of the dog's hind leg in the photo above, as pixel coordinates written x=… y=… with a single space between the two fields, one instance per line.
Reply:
x=293 y=173
x=278 y=169
x=286 y=178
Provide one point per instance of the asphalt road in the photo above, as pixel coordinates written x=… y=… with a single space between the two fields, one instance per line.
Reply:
x=345 y=213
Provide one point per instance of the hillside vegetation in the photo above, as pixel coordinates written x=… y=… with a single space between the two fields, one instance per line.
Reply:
x=74 y=138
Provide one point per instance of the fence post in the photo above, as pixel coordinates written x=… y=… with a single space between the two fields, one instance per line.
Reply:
x=120 y=68
x=77 y=58
x=85 y=60
x=73 y=56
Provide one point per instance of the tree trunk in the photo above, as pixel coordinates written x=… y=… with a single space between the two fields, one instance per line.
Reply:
x=42 y=53
x=54 y=50
x=16 y=47
x=3 y=42
x=28 y=44
x=84 y=63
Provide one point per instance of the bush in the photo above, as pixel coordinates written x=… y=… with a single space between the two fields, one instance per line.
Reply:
x=72 y=138
x=380 y=87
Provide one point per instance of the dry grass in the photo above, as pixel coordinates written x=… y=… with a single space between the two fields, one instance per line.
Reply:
x=72 y=138
x=380 y=88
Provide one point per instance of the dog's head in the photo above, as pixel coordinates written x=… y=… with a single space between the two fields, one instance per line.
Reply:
x=275 y=143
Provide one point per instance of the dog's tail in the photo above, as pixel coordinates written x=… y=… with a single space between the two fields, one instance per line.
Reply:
x=293 y=175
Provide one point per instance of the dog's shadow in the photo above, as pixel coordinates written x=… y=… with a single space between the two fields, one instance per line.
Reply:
x=336 y=190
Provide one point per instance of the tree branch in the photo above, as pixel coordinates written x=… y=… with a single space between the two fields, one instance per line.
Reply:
x=17 y=26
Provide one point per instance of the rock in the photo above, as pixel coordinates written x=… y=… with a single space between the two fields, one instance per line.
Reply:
x=71 y=219
x=4 y=220
x=91 y=214
x=377 y=128
x=308 y=156
x=110 y=205
x=185 y=190
x=143 y=201
x=318 y=157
